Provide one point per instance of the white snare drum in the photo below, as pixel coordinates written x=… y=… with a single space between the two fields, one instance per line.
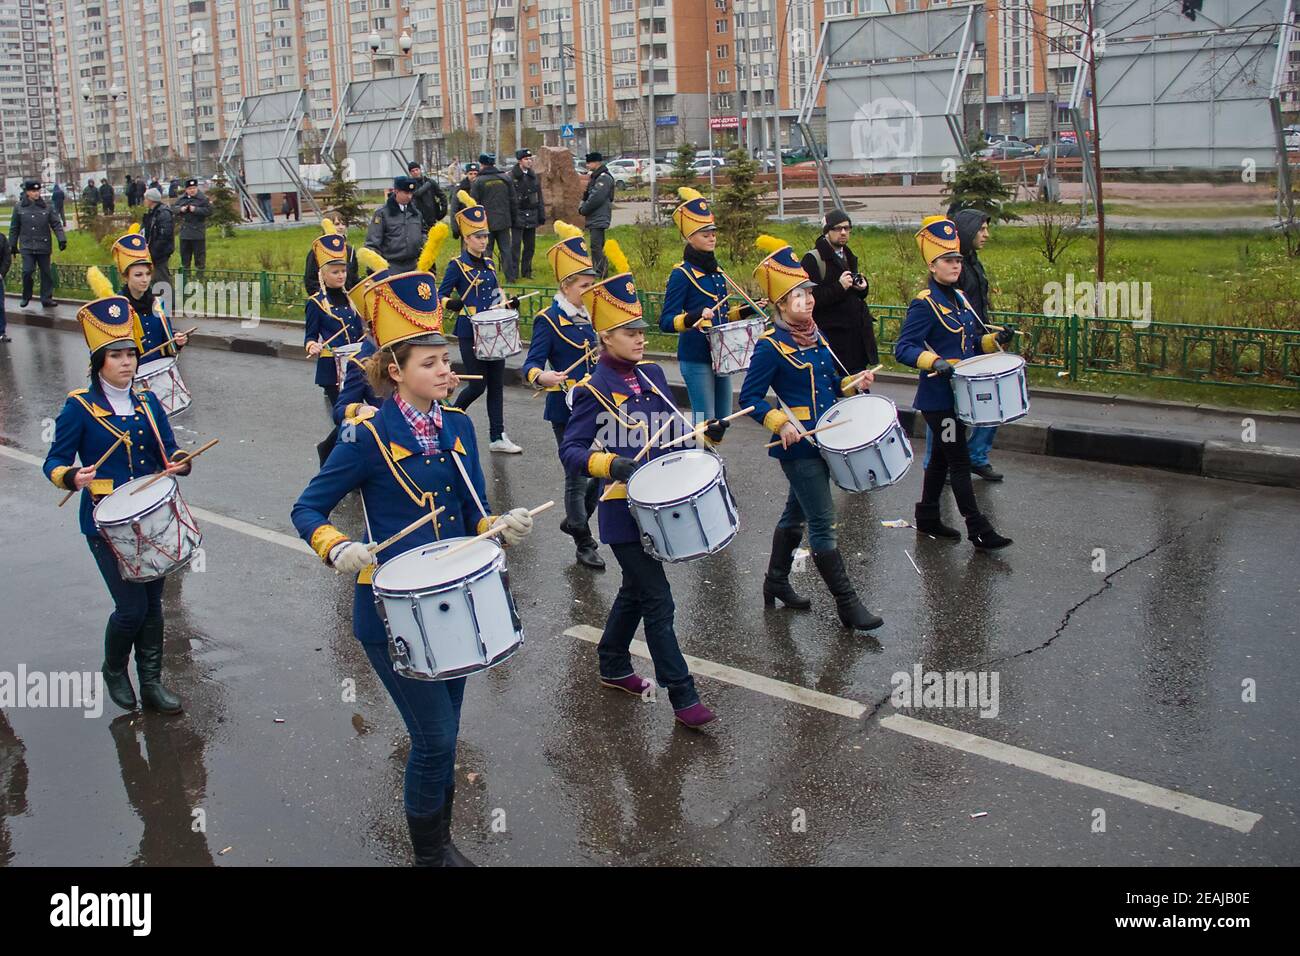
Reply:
x=343 y=355
x=870 y=449
x=447 y=617
x=990 y=389
x=682 y=505
x=163 y=378
x=151 y=533
x=731 y=344
x=496 y=334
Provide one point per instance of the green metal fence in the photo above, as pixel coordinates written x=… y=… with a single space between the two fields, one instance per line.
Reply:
x=1167 y=351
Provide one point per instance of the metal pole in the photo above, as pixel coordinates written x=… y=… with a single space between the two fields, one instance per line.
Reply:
x=653 y=126
x=483 y=128
x=564 y=80
x=708 y=94
x=748 y=96
x=194 y=103
x=776 y=83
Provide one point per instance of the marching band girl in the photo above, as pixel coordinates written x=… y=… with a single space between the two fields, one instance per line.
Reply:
x=796 y=363
x=408 y=458
x=696 y=298
x=940 y=329
x=93 y=419
x=564 y=338
x=134 y=264
x=468 y=286
x=330 y=319
x=617 y=402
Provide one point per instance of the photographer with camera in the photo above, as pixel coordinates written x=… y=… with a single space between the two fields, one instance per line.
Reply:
x=840 y=296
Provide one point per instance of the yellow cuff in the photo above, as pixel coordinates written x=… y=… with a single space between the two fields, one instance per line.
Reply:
x=679 y=323
x=926 y=359
x=323 y=540
x=774 y=419
x=989 y=343
x=484 y=523
x=57 y=475
x=848 y=385
x=532 y=375
x=598 y=464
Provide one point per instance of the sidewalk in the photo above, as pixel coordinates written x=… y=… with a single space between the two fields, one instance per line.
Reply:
x=1198 y=439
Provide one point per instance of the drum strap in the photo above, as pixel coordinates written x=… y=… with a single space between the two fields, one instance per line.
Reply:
x=690 y=425
x=716 y=296
x=611 y=408
x=468 y=484
x=323 y=301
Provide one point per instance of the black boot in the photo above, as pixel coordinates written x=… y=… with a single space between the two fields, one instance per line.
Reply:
x=852 y=612
x=928 y=521
x=428 y=838
x=777 y=582
x=148 y=665
x=983 y=536
x=116 y=669
x=451 y=855
x=588 y=553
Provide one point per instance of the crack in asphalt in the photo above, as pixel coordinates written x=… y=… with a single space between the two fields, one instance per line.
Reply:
x=861 y=725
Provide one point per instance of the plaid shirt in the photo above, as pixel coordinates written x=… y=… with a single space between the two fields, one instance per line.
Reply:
x=424 y=426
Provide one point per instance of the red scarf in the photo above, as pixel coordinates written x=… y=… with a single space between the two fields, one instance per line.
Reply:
x=804 y=335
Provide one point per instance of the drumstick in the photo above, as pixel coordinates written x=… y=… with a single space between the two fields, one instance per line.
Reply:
x=652 y=439
x=582 y=358
x=494 y=530
x=95 y=467
x=528 y=295
x=170 y=341
x=702 y=426
x=811 y=431
x=418 y=523
x=469 y=378
x=332 y=338
x=1003 y=328
x=188 y=458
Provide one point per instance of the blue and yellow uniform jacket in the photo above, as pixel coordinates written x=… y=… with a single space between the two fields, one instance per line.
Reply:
x=85 y=429
x=806 y=379
x=561 y=341
x=940 y=323
x=398 y=484
x=355 y=389
x=604 y=407
x=155 y=327
x=474 y=282
x=690 y=291
x=325 y=316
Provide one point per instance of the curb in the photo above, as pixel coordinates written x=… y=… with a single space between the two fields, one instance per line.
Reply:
x=1261 y=465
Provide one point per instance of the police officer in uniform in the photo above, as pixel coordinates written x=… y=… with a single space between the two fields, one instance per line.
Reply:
x=193 y=210
x=941 y=329
x=91 y=421
x=532 y=212
x=396 y=230
x=29 y=233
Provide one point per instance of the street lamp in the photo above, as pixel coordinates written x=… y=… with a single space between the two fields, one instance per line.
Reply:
x=376 y=43
x=114 y=93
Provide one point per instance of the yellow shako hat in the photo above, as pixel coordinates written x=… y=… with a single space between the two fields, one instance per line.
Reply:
x=937 y=237
x=780 y=273
x=569 y=257
x=367 y=258
x=108 y=321
x=130 y=249
x=613 y=303
x=332 y=246
x=693 y=214
x=471 y=217
x=405 y=308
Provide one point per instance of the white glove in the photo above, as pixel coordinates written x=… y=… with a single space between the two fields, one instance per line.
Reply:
x=518 y=525
x=349 y=557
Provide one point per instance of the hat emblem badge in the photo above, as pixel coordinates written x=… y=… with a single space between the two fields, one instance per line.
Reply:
x=114 y=311
x=423 y=290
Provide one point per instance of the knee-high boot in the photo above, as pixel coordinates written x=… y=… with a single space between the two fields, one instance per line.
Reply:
x=117 y=663
x=776 y=584
x=148 y=665
x=852 y=611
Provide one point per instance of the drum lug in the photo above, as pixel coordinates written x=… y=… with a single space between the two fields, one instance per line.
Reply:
x=424 y=634
x=478 y=630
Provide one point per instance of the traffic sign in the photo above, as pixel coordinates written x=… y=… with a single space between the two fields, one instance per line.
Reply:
x=566 y=131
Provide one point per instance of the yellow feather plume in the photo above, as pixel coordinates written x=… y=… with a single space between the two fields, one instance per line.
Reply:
x=618 y=263
x=438 y=232
x=100 y=287
x=566 y=230
x=327 y=227
x=769 y=244
x=369 y=259
x=686 y=194
x=135 y=227
x=465 y=198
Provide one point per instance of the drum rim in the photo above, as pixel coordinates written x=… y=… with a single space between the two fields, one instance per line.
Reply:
x=958 y=373
x=428 y=590
x=164 y=364
x=465 y=671
x=821 y=445
x=718 y=327
x=720 y=477
x=347 y=348
x=702 y=554
x=175 y=492
x=495 y=315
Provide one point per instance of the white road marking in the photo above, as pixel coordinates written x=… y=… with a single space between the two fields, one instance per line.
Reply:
x=731 y=675
x=1240 y=820
x=1149 y=794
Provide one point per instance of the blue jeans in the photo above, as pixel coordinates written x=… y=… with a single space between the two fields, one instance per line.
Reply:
x=645 y=593
x=710 y=394
x=810 y=501
x=431 y=712
x=133 y=602
x=979 y=442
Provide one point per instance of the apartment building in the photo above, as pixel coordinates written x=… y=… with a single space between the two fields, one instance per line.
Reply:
x=27 y=101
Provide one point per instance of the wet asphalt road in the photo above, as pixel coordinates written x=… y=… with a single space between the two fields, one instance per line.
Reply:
x=1137 y=671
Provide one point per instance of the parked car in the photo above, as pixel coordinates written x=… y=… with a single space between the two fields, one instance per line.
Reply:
x=1065 y=150
x=1007 y=149
x=662 y=172
x=702 y=165
x=624 y=170
x=1291 y=136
